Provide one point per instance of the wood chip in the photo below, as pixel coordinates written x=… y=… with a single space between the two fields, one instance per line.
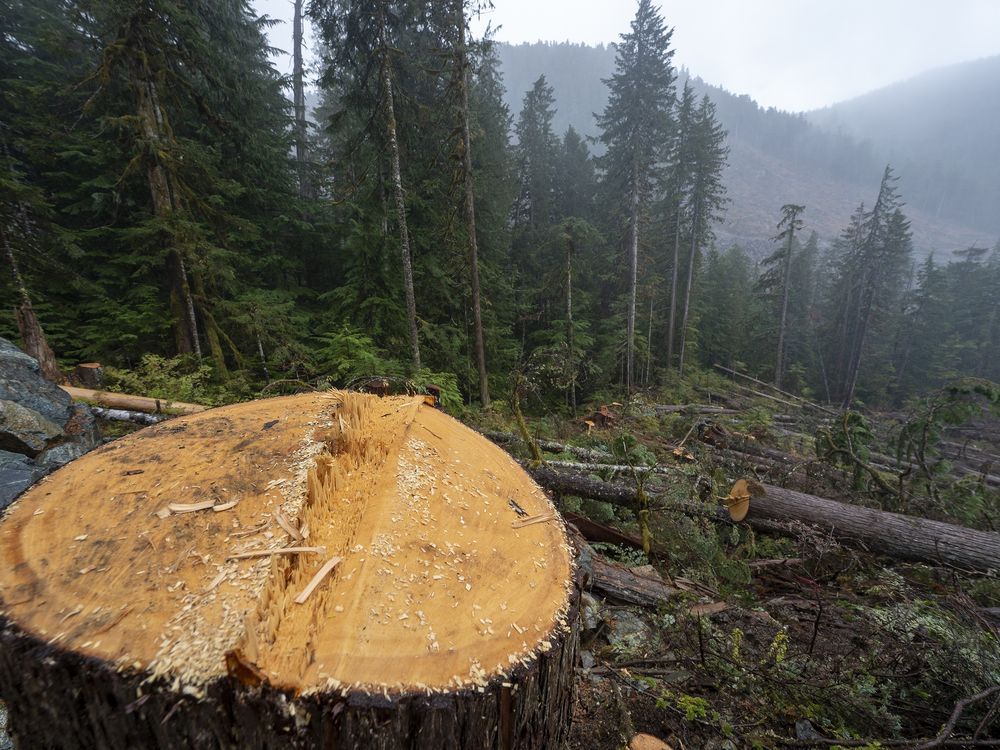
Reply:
x=277 y=551
x=284 y=523
x=225 y=506
x=316 y=579
x=216 y=581
x=530 y=520
x=190 y=507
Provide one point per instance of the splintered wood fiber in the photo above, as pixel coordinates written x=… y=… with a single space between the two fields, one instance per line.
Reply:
x=165 y=551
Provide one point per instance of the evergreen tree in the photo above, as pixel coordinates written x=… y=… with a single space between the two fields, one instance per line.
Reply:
x=777 y=278
x=707 y=196
x=577 y=184
x=636 y=126
x=873 y=254
x=537 y=147
x=678 y=183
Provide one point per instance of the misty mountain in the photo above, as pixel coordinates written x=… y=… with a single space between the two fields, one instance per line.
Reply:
x=829 y=160
x=941 y=129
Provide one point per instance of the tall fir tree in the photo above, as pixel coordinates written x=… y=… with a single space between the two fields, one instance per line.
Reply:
x=636 y=127
x=706 y=199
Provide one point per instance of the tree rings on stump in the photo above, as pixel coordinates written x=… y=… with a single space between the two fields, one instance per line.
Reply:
x=322 y=570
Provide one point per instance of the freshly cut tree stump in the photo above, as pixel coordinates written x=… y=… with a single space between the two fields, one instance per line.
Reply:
x=324 y=570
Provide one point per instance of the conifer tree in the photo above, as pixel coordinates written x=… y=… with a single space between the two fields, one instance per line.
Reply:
x=636 y=126
x=707 y=196
x=537 y=147
x=359 y=35
x=782 y=262
x=678 y=183
x=873 y=254
x=468 y=179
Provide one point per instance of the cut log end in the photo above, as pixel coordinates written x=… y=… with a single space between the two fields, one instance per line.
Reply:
x=436 y=596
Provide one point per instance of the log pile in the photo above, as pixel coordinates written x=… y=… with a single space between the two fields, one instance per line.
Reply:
x=322 y=570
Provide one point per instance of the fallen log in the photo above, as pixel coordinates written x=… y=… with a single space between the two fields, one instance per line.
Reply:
x=587 y=454
x=881 y=532
x=167 y=590
x=617 y=582
x=692 y=409
x=132 y=403
x=616 y=468
x=566 y=483
x=598 y=532
x=122 y=415
x=800 y=401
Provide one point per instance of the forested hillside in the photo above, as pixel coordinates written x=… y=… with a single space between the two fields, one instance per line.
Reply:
x=162 y=197
x=933 y=130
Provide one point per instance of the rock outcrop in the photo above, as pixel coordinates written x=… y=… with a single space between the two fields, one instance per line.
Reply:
x=40 y=427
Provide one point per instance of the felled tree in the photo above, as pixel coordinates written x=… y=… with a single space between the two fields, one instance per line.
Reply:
x=310 y=571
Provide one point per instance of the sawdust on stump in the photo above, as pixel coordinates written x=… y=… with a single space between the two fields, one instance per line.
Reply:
x=189 y=552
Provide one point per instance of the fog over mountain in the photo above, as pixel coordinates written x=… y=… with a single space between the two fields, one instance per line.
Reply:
x=939 y=130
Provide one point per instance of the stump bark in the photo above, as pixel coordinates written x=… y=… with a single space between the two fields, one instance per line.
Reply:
x=89 y=375
x=152 y=595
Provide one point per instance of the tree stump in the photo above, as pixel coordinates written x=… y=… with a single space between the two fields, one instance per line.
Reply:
x=88 y=375
x=152 y=594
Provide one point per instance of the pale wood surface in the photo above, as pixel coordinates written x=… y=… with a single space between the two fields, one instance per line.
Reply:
x=435 y=589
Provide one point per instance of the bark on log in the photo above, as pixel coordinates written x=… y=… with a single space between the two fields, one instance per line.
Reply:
x=692 y=409
x=623 y=585
x=598 y=532
x=132 y=403
x=881 y=532
x=566 y=483
x=121 y=627
x=122 y=415
x=586 y=454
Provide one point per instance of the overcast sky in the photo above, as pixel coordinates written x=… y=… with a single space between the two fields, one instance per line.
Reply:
x=792 y=54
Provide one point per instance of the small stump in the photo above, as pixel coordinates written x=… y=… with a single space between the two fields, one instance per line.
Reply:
x=324 y=570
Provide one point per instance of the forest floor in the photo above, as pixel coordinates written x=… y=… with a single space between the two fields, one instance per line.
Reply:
x=776 y=641
x=789 y=640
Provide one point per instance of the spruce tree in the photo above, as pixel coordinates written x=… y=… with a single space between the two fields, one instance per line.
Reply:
x=707 y=196
x=779 y=277
x=636 y=126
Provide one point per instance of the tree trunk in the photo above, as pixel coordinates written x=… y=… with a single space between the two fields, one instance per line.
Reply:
x=398 y=196
x=470 y=211
x=442 y=617
x=673 y=288
x=649 y=344
x=299 y=98
x=633 y=260
x=687 y=290
x=151 y=121
x=32 y=334
x=570 y=344
x=779 y=367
